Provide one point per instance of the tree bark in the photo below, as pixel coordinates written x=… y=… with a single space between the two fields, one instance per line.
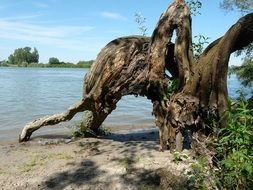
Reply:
x=118 y=70
x=136 y=65
x=202 y=92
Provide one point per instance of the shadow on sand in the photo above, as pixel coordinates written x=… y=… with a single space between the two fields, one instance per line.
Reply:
x=88 y=174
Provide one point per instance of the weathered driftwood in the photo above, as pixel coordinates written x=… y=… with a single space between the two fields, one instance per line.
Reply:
x=121 y=68
x=50 y=120
x=117 y=71
x=136 y=65
x=202 y=92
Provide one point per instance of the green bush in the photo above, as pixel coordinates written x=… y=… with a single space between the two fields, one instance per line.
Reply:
x=234 y=148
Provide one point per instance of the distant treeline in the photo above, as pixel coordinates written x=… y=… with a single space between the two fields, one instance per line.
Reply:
x=80 y=64
x=25 y=57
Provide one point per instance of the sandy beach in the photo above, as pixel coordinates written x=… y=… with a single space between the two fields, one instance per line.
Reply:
x=121 y=160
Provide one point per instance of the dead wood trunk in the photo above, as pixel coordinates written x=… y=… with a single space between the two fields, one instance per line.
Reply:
x=51 y=120
x=136 y=65
x=202 y=92
x=176 y=17
x=117 y=71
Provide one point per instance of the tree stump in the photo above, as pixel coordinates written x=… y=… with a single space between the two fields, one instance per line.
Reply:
x=136 y=65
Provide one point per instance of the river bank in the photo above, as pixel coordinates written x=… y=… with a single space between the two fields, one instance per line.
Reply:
x=122 y=160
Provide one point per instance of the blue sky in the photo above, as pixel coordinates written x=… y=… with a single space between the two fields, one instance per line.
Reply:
x=74 y=30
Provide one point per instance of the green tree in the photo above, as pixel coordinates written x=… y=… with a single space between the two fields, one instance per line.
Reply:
x=24 y=56
x=195 y=6
x=35 y=56
x=53 y=60
x=141 y=20
x=244 y=72
x=85 y=64
x=241 y=5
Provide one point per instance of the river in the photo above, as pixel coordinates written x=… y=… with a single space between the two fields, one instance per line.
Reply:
x=30 y=93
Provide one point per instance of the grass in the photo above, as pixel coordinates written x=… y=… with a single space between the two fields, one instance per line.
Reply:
x=60 y=156
x=38 y=160
x=199 y=175
x=2 y=172
x=89 y=144
x=128 y=163
x=32 y=163
x=178 y=157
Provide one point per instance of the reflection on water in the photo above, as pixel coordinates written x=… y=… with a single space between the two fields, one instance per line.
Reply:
x=29 y=93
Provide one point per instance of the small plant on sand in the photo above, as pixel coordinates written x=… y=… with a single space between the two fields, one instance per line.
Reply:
x=59 y=156
x=33 y=163
x=80 y=130
x=178 y=157
x=199 y=174
x=2 y=172
x=128 y=163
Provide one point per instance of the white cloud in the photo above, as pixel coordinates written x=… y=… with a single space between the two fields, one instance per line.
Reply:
x=112 y=15
x=60 y=36
x=17 y=18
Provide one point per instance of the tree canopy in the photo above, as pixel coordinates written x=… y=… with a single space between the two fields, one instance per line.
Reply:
x=53 y=60
x=24 y=56
x=243 y=72
x=241 y=5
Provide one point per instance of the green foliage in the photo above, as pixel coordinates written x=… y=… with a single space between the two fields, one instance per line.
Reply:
x=234 y=147
x=244 y=6
x=35 y=161
x=241 y=5
x=61 y=65
x=4 y=63
x=171 y=88
x=128 y=163
x=80 y=130
x=53 y=60
x=198 y=46
x=24 y=56
x=37 y=65
x=198 y=174
x=141 y=20
x=59 y=156
x=178 y=157
x=194 y=6
x=85 y=64
x=244 y=72
x=248 y=51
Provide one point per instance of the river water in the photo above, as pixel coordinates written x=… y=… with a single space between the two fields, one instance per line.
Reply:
x=30 y=93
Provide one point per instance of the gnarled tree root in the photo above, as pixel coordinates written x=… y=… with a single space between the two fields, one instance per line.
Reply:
x=51 y=120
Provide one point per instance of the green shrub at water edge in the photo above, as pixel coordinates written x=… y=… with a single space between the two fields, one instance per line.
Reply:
x=80 y=130
x=234 y=148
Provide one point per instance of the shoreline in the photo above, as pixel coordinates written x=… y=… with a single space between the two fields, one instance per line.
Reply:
x=64 y=131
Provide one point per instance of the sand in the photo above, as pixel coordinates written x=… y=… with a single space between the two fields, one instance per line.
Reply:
x=122 y=160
